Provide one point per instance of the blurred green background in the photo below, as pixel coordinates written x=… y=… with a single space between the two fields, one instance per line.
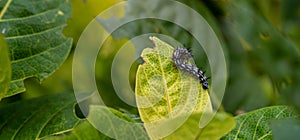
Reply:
x=261 y=40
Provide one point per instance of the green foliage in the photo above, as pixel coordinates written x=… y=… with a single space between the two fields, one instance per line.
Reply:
x=221 y=124
x=261 y=39
x=53 y=117
x=98 y=116
x=151 y=25
x=83 y=11
x=39 y=117
x=5 y=69
x=116 y=124
x=36 y=45
x=285 y=128
x=264 y=55
x=256 y=124
x=83 y=130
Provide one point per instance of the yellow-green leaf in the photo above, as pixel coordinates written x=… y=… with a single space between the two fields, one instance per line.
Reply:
x=163 y=93
x=5 y=67
x=221 y=124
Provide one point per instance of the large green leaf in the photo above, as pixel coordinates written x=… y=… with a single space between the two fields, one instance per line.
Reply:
x=40 y=117
x=221 y=124
x=83 y=130
x=163 y=93
x=5 y=69
x=116 y=124
x=33 y=31
x=53 y=117
x=256 y=124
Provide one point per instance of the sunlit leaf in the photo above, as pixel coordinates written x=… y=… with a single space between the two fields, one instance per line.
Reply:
x=163 y=93
x=220 y=125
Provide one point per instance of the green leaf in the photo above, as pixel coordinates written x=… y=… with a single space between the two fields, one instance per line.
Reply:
x=40 y=117
x=83 y=130
x=53 y=118
x=163 y=93
x=255 y=124
x=221 y=124
x=285 y=128
x=33 y=31
x=5 y=69
x=115 y=124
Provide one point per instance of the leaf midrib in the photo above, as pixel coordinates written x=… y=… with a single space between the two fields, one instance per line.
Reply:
x=31 y=16
x=165 y=87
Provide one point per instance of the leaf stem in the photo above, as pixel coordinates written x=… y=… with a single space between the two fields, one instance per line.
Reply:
x=199 y=133
x=5 y=8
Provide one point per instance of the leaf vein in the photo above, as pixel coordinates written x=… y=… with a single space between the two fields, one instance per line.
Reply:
x=32 y=16
x=36 y=33
x=22 y=125
x=253 y=136
x=47 y=121
x=5 y=8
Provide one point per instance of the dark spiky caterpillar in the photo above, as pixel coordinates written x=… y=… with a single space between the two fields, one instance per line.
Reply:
x=180 y=59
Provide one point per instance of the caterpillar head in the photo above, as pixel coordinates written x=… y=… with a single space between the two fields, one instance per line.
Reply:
x=205 y=85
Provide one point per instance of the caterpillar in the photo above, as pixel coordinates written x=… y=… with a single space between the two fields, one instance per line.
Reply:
x=180 y=58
